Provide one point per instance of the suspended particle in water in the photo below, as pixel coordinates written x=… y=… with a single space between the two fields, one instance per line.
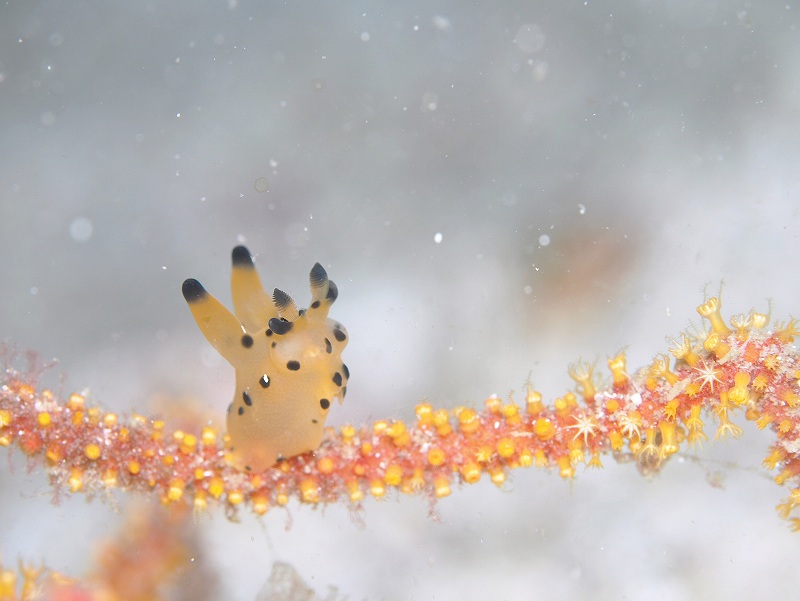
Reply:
x=438 y=237
x=261 y=184
x=544 y=240
x=80 y=229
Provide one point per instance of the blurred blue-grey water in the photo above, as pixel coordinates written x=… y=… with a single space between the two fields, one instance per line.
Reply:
x=498 y=189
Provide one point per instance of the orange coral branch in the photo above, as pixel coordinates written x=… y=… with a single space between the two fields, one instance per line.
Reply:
x=648 y=415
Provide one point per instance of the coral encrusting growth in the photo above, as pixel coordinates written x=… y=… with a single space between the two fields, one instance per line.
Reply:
x=721 y=374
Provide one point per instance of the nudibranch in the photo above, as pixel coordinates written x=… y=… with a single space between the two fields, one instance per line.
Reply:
x=288 y=362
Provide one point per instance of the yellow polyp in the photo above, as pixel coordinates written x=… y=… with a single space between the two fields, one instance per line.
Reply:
x=595 y=460
x=772 y=362
x=175 y=490
x=752 y=413
x=110 y=478
x=772 y=460
x=493 y=404
x=671 y=408
x=669 y=443
x=396 y=429
x=616 y=440
x=441 y=487
x=5 y=418
x=539 y=458
x=189 y=444
x=348 y=433
x=93 y=415
x=785 y=426
x=713 y=343
x=649 y=449
x=742 y=324
x=309 y=490
x=168 y=460
x=561 y=406
x=354 y=491
x=75 y=480
x=726 y=427
x=380 y=426
x=110 y=420
x=651 y=384
x=740 y=393
x=619 y=370
x=612 y=405
x=787 y=333
x=43 y=419
x=533 y=402
x=424 y=413
x=544 y=429
x=576 y=455
x=683 y=351
x=511 y=412
x=235 y=497
x=711 y=311
x=281 y=495
x=8 y=585
x=92 y=451
x=377 y=489
x=694 y=422
x=54 y=454
x=76 y=401
x=565 y=469
x=366 y=448
x=764 y=420
x=123 y=435
x=260 y=504
x=436 y=457
x=470 y=472
x=468 y=420
x=5 y=440
x=789 y=396
x=208 y=436
x=393 y=475
x=525 y=458
x=133 y=467
x=497 y=475
x=216 y=487
x=660 y=369
x=629 y=424
x=506 y=447
x=325 y=465
x=441 y=421
x=582 y=373
x=696 y=437
x=484 y=453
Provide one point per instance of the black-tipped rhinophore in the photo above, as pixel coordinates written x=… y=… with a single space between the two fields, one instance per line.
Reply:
x=318 y=276
x=283 y=301
x=193 y=290
x=279 y=326
x=241 y=257
x=333 y=292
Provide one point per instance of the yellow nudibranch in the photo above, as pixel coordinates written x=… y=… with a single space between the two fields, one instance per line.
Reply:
x=288 y=362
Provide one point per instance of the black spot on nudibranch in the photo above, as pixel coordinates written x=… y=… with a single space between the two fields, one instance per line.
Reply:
x=328 y=346
x=346 y=371
x=241 y=410
x=333 y=292
x=339 y=335
x=269 y=332
x=247 y=400
x=247 y=341
x=324 y=403
x=293 y=365
x=337 y=378
x=280 y=326
x=193 y=290
x=315 y=305
x=313 y=421
x=344 y=391
x=264 y=381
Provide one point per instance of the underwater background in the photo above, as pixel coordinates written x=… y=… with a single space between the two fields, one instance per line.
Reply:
x=498 y=189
